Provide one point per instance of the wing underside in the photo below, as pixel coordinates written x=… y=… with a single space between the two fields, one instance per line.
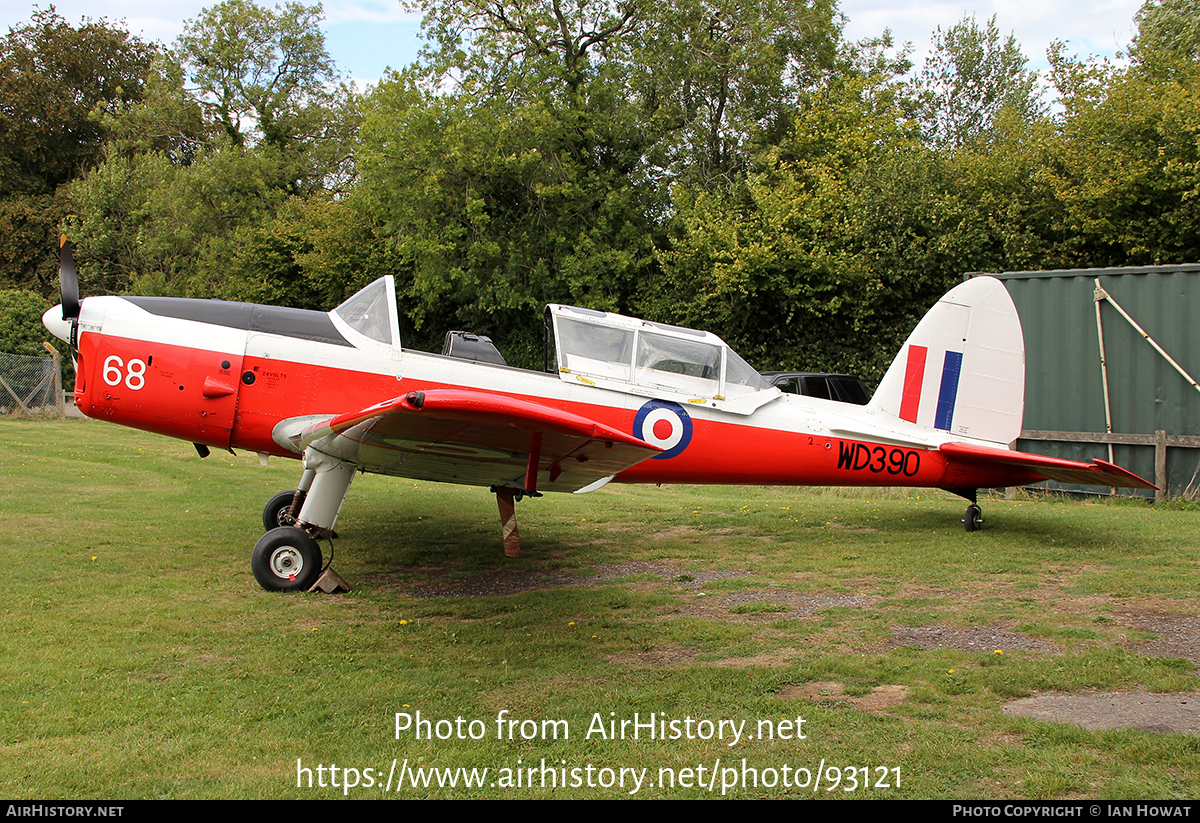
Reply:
x=476 y=438
x=1095 y=473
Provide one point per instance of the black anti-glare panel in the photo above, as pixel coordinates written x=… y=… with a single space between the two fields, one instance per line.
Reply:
x=299 y=323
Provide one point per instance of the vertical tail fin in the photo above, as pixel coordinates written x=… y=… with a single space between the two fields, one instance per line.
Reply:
x=962 y=370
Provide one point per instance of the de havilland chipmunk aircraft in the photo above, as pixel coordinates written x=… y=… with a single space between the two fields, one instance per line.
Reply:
x=621 y=399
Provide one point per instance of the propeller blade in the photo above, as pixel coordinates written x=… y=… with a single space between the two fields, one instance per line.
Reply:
x=68 y=281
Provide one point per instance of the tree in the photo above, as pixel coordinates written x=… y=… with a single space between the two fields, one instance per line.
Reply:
x=530 y=157
x=503 y=47
x=492 y=209
x=694 y=80
x=968 y=79
x=1126 y=165
x=136 y=220
x=21 y=329
x=149 y=226
x=28 y=247
x=260 y=73
x=527 y=184
x=52 y=77
x=716 y=77
x=1168 y=40
x=192 y=171
x=168 y=120
x=313 y=254
x=828 y=252
x=1002 y=211
x=265 y=79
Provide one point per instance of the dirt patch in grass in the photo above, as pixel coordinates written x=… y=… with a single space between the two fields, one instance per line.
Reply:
x=969 y=639
x=1178 y=634
x=880 y=698
x=1114 y=710
x=686 y=576
x=775 y=603
x=1112 y=619
x=767 y=660
x=1094 y=712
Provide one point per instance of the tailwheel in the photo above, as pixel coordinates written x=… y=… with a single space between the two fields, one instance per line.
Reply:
x=277 y=512
x=973 y=519
x=286 y=559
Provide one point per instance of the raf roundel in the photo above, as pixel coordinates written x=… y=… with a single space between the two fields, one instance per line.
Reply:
x=666 y=425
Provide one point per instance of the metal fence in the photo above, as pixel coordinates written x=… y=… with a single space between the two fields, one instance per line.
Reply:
x=30 y=386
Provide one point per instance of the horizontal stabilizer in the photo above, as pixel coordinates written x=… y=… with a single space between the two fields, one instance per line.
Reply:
x=1095 y=473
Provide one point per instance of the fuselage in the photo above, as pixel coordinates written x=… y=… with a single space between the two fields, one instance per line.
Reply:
x=226 y=375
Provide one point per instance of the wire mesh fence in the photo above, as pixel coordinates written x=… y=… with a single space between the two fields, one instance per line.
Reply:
x=30 y=386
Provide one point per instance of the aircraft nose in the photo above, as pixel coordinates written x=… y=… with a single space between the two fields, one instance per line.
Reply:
x=53 y=320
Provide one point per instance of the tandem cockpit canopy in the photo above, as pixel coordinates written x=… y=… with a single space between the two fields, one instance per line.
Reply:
x=600 y=348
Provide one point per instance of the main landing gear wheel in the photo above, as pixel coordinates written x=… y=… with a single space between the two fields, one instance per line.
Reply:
x=286 y=559
x=973 y=520
x=275 y=513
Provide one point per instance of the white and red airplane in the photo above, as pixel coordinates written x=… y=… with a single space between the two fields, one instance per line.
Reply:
x=622 y=400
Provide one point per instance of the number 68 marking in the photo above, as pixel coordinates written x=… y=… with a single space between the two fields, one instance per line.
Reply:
x=135 y=379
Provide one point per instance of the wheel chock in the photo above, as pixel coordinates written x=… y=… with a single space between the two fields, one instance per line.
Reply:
x=330 y=582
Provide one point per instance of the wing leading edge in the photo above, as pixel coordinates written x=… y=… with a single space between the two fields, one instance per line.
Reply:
x=1095 y=473
x=476 y=438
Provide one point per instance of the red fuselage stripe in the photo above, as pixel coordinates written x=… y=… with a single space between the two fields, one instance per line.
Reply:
x=163 y=392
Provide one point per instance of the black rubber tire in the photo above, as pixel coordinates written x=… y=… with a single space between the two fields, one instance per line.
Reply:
x=286 y=559
x=973 y=519
x=276 y=510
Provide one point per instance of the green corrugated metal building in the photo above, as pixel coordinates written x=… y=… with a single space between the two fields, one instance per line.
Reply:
x=1064 y=390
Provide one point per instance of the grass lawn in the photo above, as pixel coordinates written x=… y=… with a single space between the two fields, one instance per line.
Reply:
x=769 y=642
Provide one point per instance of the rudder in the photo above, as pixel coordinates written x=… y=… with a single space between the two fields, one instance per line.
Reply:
x=962 y=370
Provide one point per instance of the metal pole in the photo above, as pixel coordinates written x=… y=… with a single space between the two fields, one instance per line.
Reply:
x=1097 y=296
x=58 y=395
x=1103 y=295
x=1160 y=451
x=1160 y=465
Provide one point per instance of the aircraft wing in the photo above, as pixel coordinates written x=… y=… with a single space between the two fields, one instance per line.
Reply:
x=1095 y=473
x=475 y=438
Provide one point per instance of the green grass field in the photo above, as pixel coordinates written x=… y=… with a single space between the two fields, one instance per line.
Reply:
x=139 y=658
